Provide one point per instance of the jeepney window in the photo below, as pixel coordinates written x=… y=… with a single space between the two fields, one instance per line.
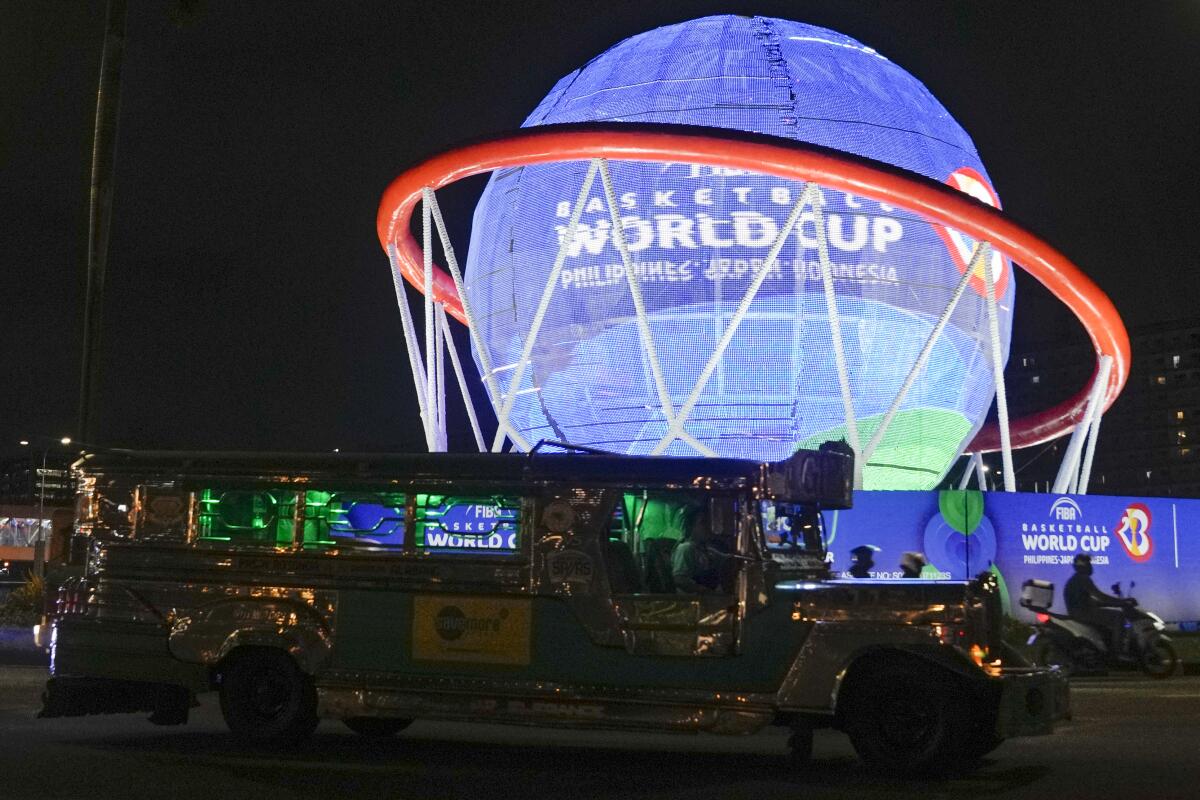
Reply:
x=377 y=519
x=467 y=524
x=246 y=517
x=646 y=528
x=791 y=528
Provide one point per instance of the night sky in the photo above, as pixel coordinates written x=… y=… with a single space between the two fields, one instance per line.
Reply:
x=249 y=305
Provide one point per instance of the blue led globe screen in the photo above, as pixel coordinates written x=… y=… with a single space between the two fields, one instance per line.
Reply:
x=698 y=235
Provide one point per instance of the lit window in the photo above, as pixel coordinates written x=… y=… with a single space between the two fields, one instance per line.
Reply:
x=1174 y=361
x=467 y=525
x=1181 y=436
x=1160 y=379
x=1179 y=414
x=1036 y=379
x=1184 y=452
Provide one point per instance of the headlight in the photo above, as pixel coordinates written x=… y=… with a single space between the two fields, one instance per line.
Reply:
x=957 y=636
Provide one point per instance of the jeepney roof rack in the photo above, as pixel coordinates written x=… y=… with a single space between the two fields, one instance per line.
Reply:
x=576 y=448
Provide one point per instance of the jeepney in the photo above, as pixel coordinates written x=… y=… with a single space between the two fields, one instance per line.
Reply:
x=519 y=588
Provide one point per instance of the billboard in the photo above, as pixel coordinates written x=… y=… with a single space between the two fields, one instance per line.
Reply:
x=698 y=236
x=1149 y=545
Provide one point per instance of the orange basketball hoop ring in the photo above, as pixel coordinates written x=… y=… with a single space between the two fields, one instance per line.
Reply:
x=935 y=202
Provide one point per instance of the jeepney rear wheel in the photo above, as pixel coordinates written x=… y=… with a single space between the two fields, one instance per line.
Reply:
x=265 y=697
x=907 y=719
x=377 y=727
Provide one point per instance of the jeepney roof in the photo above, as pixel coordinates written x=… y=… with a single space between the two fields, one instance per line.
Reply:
x=510 y=468
x=809 y=476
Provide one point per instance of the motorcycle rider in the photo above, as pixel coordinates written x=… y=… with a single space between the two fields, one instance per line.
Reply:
x=1089 y=605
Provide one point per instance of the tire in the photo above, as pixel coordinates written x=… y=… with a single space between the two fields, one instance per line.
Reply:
x=979 y=745
x=265 y=698
x=377 y=727
x=907 y=719
x=1055 y=654
x=1159 y=660
x=980 y=737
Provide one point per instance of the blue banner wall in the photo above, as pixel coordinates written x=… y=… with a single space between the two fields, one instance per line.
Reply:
x=1149 y=543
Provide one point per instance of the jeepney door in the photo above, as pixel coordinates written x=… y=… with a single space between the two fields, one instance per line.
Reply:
x=656 y=617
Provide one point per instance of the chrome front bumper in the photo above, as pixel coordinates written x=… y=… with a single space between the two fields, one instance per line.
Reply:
x=1032 y=699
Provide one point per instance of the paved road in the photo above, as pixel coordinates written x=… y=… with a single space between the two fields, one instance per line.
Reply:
x=1130 y=738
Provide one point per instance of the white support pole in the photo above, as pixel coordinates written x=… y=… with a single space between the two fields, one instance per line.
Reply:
x=980 y=475
x=1073 y=483
x=1085 y=474
x=1006 y=459
x=1070 y=462
x=543 y=306
x=835 y=334
x=427 y=249
x=639 y=307
x=967 y=472
x=452 y=348
x=485 y=359
x=676 y=428
x=411 y=344
x=443 y=440
x=922 y=357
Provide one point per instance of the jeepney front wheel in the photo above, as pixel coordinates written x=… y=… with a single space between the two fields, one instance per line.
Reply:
x=266 y=698
x=906 y=719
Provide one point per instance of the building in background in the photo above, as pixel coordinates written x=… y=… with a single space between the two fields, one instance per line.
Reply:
x=37 y=500
x=1149 y=440
x=24 y=477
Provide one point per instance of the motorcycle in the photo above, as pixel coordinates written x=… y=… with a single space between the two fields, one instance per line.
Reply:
x=1076 y=647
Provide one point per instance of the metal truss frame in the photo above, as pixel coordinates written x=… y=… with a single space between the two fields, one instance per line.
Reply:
x=444 y=293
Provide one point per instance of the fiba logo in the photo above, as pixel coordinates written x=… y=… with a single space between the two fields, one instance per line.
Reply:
x=1066 y=509
x=1134 y=532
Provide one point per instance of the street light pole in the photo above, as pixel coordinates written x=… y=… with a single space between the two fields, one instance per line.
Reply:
x=42 y=495
x=43 y=536
x=104 y=149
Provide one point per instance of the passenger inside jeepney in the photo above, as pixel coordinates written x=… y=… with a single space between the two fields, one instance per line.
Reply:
x=646 y=529
x=697 y=563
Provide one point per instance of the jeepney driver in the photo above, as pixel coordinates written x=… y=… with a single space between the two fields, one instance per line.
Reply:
x=696 y=564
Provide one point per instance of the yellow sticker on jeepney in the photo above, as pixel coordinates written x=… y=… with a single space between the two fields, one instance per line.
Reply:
x=479 y=630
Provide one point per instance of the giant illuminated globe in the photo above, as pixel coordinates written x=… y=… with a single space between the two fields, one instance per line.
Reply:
x=697 y=234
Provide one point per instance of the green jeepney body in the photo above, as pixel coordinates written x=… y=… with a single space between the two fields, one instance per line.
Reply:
x=514 y=588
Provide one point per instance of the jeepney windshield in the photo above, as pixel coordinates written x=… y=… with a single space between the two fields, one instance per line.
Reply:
x=791 y=528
